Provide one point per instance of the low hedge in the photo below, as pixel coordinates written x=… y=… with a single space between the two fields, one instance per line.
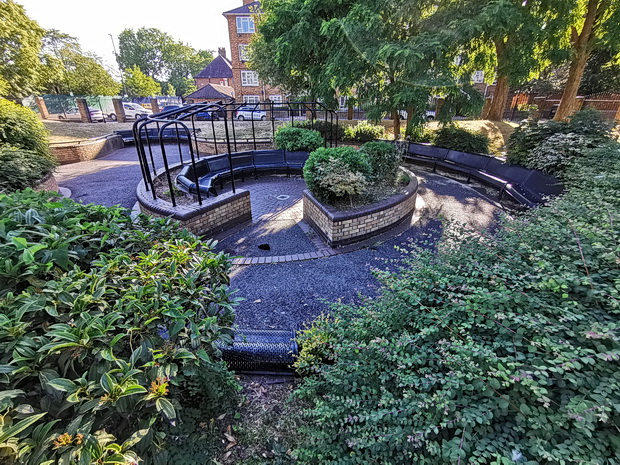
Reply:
x=107 y=330
x=298 y=139
x=364 y=131
x=20 y=127
x=21 y=168
x=487 y=348
x=384 y=159
x=328 y=130
x=455 y=138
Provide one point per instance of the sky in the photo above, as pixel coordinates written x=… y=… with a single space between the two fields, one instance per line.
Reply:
x=197 y=23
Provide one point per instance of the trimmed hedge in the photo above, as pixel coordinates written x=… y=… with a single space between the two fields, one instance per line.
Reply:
x=20 y=127
x=329 y=131
x=384 y=159
x=298 y=139
x=455 y=138
x=486 y=348
x=364 y=131
x=21 y=168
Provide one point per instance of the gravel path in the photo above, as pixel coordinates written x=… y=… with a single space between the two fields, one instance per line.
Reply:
x=287 y=295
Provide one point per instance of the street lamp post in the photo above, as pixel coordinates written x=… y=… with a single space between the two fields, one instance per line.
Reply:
x=118 y=64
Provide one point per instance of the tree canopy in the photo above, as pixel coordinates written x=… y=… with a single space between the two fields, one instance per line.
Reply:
x=20 y=44
x=139 y=84
x=161 y=57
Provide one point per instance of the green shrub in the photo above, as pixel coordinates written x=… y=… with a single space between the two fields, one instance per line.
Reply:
x=21 y=168
x=298 y=139
x=384 y=158
x=328 y=130
x=463 y=140
x=423 y=135
x=532 y=134
x=489 y=348
x=336 y=172
x=21 y=127
x=364 y=132
x=108 y=329
x=555 y=154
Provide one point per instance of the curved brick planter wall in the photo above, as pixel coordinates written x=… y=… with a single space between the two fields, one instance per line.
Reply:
x=215 y=215
x=47 y=183
x=338 y=228
x=73 y=152
x=208 y=148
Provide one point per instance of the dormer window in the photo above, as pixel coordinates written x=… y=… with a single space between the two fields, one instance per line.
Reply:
x=245 y=25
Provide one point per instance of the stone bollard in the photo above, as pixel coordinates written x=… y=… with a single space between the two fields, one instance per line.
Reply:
x=155 y=106
x=42 y=107
x=83 y=108
x=119 y=110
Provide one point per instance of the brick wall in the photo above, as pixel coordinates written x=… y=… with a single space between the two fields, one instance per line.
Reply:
x=263 y=91
x=201 y=82
x=340 y=228
x=74 y=152
x=208 y=148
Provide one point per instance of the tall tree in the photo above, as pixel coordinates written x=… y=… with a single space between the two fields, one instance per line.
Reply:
x=385 y=53
x=20 y=44
x=595 y=24
x=512 y=40
x=139 y=84
x=161 y=57
x=65 y=68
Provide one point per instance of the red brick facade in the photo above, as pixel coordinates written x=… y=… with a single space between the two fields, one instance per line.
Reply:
x=262 y=92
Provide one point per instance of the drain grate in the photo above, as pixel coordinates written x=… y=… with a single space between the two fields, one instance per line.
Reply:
x=283 y=197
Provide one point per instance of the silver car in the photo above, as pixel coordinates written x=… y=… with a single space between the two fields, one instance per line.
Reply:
x=244 y=113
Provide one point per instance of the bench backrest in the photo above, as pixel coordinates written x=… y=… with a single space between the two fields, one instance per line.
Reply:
x=242 y=159
x=429 y=151
x=268 y=157
x=298 y=158
x=218 y=164
x=542 y=183
x=514 y=174
x=470 y=160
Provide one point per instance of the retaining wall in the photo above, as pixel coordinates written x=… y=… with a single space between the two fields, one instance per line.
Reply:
x=338 y=228
x=73 y=152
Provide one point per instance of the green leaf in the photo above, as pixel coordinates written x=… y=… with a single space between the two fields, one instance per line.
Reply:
x=63 y=385
x=135 y=438
x=19 y=427
x=165 y=406
x=108 y=382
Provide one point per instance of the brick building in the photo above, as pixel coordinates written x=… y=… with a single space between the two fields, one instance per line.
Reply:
x=219 y=71
x=241 y=28
x=212 y=93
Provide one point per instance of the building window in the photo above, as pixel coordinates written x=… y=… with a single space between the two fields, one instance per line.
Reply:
x=251 y=99
x=245 y=25
x=244 y=52
x=342 y=102
x=275 y=98
x=249 y=78
x=478 y=77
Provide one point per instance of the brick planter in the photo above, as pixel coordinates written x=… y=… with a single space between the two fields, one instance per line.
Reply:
x=216 y=214
x=338 y=228
x=47 y=183
x=73 y=152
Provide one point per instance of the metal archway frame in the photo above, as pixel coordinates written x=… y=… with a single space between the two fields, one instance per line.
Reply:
x=180 y=120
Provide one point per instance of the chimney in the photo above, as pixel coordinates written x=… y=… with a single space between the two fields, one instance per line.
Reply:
x=221 y=51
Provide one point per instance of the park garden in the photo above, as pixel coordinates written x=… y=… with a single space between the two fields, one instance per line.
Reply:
x=465 y=344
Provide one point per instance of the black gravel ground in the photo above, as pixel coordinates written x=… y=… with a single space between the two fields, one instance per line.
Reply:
x=287 y=295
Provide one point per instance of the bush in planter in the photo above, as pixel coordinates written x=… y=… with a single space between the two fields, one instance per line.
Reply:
x=108 y=328
x=298 y=139
x=328 y=130
x=384 y=158
x=21 y=127
x=364 y=131
x=21 y=168
x=555 y=154
x=455 y=138
x=333 y=173
x=489 y=349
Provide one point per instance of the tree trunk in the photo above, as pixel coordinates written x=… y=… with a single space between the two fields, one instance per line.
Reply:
x=568 y=104
x=582 y=47
x=409 y=127
x=396 y=118
x=495 y=111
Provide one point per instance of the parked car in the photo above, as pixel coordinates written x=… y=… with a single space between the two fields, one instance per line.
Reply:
x=430 y=115
x=171 y=107
x=244 y=113
x=133 y=110
x=208 y=115
x=95 y=115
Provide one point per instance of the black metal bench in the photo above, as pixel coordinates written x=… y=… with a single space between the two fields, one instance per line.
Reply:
x=212 y=169
x=152 y=134
x=527 y=187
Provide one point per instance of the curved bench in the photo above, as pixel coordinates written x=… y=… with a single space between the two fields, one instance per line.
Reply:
x=169 y=134
x=217 y=168
x=527 y=187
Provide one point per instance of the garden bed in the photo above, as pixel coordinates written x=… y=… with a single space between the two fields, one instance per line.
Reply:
x=341 y=227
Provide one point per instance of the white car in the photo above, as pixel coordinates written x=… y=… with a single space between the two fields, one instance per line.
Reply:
x=429 y=115
x=244 y=113
x=133 y=110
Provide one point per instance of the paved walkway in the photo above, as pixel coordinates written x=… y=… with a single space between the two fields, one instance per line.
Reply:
x=287 y=294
